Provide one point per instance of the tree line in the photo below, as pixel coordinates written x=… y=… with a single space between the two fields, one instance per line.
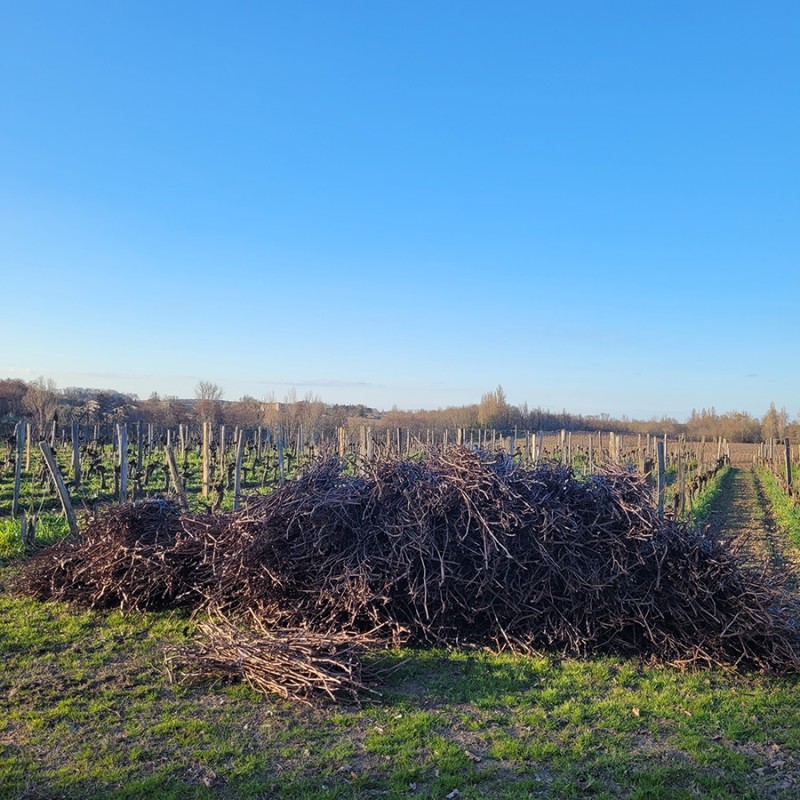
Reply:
x=42 y=402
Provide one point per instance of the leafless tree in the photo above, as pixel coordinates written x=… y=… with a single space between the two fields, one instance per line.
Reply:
x=208 y=396
x=493 y=411
x=41 y=400
x=773 y=423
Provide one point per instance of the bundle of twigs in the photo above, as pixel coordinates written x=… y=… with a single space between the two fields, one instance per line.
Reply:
x=293 y=663
x=450 y=548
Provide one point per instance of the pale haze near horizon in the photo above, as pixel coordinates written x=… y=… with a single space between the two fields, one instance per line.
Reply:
x=595 y=206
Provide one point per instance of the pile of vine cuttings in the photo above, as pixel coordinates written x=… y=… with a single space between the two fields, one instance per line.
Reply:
x=448 y=549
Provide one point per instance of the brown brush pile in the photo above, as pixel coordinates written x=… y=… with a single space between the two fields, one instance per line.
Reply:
x=293 y=663
x=135 y=557
x=454 y=548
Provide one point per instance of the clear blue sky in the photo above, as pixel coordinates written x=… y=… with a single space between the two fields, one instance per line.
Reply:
x=594 y=204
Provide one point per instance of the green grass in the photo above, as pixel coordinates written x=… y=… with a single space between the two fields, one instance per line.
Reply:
x=705 y=502
x=87 y=709
x=785 y=511
x=49 y=528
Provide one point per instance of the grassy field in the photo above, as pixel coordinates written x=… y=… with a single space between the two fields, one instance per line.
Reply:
x=89 y=707
x=89 y=710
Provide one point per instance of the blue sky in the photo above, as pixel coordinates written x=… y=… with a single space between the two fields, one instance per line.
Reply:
x=594 y=204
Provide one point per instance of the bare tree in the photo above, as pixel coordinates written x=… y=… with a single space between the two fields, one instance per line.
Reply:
x=41 y=400
x=310 y=412
x=208 y=400
x=773 y=423
x=270 y=410
x=493 y=411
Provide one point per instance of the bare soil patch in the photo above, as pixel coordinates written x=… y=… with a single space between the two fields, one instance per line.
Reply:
x=744 y=517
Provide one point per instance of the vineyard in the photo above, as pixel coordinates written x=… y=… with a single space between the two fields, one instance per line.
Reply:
x=314 y=570
x=211 y=467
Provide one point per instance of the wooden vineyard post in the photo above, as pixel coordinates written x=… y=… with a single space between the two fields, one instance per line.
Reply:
x=122 y=435
x=63 y=494
x=788 y=466
x=20 y=442
x=27 y=446
x=281 y=468
x=206 y=488
x=681 y=501
x=362 y=441
x=76 y=454
x=701 y=459
x=175 y=476
x=341 y=442
x=591 y=455
x=27 y=530
x=139 y=448
x=237 y=474
x=662 y=477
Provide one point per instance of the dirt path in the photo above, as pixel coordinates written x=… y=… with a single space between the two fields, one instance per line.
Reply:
x=743 y=515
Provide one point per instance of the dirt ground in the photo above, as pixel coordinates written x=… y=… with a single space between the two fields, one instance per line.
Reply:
x=743 y=515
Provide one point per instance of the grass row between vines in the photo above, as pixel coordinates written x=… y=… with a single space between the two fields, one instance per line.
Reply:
x=785 y=511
